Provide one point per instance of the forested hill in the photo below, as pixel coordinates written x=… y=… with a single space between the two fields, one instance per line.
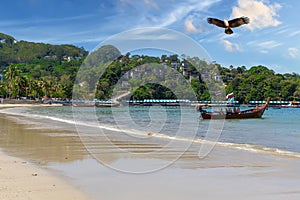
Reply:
x=13 y=51
x=34 y=70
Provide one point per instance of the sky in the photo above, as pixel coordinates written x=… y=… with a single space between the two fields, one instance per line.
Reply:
x=272 y=38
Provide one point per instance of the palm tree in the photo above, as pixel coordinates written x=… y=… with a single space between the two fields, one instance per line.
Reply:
x=40 y=86
x=21 y=84
x=10 y=75
x=3 y=90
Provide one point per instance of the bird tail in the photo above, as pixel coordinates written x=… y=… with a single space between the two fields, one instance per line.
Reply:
x=228 y=31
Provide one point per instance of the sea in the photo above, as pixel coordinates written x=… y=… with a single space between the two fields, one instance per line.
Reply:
x=277 y=132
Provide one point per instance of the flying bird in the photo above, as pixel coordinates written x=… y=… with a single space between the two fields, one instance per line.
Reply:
x=229 y=24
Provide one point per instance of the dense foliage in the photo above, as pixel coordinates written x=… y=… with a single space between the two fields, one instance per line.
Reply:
x=13 y=51
x=33 y=70
x=259 y=82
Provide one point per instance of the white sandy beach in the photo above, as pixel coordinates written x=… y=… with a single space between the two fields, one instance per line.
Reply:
x=21 y=180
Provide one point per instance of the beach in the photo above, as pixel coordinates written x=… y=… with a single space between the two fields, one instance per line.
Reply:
x=149 y=100
x=22 y=180
x=74 y=167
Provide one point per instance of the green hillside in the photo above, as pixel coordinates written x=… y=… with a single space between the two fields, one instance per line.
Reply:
x=34 y=70
x=15 y=52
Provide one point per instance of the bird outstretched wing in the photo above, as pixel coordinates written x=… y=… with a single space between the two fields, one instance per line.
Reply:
x=238 y=22
x=216 y=22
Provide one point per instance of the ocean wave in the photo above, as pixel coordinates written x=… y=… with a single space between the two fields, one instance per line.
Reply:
x=260 y=149
x=238 y=146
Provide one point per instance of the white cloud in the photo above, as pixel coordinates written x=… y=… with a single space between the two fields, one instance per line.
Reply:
x=261 y=13
x=283 y=30
x=189 y=27
x=146 y=34
x=294 y=33
x=264 y=51
x=268 y=44
x=182 y=10
x=265 y=45
x=152 y=13
x=293 y=52
x=43 y=21
x=151 y=3
x=229 y=46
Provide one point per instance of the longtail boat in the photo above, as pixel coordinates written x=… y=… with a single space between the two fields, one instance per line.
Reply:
x=235 y=113
x=292 y=104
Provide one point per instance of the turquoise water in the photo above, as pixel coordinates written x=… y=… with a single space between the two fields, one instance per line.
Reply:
x=279 y=128
x=278 y=131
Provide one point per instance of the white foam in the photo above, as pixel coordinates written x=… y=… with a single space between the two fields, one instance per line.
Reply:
x=243 y=147
x=260 y=149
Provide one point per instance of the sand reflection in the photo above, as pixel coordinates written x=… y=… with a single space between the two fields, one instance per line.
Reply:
x=42 y=145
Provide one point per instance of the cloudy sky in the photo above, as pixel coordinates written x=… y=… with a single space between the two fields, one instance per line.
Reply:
x=272 y=38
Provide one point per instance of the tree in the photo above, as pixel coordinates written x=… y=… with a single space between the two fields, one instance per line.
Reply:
x=11 y=75
x=297 y=93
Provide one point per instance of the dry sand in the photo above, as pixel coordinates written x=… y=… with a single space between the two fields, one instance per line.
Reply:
x=23 y=180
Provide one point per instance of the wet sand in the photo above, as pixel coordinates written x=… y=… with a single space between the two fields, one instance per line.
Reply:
x=226 y=173
x=23 y=175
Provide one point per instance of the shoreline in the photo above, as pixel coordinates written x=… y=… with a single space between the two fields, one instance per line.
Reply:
x=11 y=105
x=226 y=173
x=257 y=149
x=23 y=179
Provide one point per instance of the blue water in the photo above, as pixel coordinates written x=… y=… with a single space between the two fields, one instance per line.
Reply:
x=279 y=129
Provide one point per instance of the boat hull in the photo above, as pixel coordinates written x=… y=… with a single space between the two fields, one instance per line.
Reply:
x=254 y=114
x=246 y=114
x=293 y=106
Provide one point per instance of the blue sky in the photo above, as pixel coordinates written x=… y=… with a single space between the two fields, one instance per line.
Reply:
x=272 y=38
